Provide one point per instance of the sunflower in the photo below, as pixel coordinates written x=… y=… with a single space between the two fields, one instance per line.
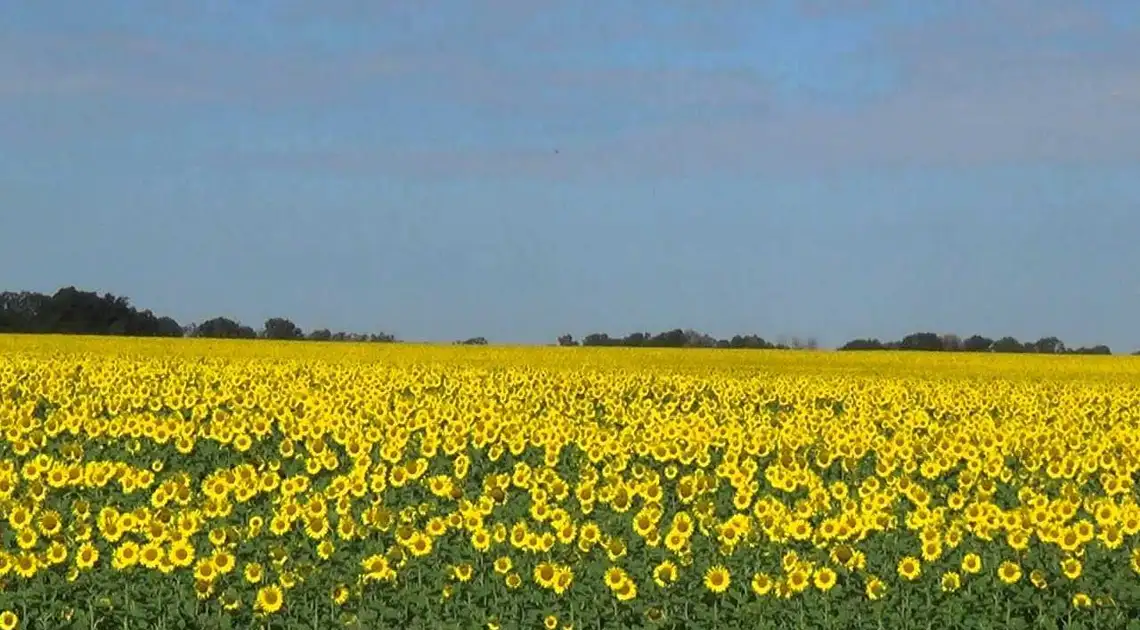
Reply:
x=340 y=594
x=126 y=556
x=567 y=532
x=50 y=523
x=1111 y=536
x=436 y=527
x=615 y=549
x=9 y=620
x=798 y=580
x=761 y=584
x=203 y=589
x=824 y=579
x=842 y=554
x=26 y=565
x=1009 y=572
x=675 y=541
x=615 y=577
x=590 y=533
x=420 y=545
x=665 y=573
x=19 y=518
x=1071 y=567
x=253 y=572
x=564 y=579
x=951 y=581
x=279 y=525
x=909 y=568
x=972 y=563
x=627 y=590
x=544 y=574
x=269 y=599
x=463 y=572
x=87 y=556
x=875 y=589
x=27 y=539
x=643 y=524
x=481 y=540
x=717 y=579
x=931 y=550
x=1070 y=541
x=151 y=555
x=376 y=568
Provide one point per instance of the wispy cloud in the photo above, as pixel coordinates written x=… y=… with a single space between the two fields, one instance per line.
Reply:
x=145 y=68
x=986 y=82
x=991 y=83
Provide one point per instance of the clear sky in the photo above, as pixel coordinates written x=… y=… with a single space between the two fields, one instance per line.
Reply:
x=519 y=169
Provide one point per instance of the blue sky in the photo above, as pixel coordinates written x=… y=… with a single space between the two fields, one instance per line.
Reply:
x=523 y=168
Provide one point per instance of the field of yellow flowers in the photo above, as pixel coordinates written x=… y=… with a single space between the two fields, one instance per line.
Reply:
x=196 y=484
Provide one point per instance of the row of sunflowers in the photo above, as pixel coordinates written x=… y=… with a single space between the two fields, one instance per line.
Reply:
x=197 y=484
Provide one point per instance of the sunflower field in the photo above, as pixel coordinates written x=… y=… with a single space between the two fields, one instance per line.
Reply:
x=232 y=484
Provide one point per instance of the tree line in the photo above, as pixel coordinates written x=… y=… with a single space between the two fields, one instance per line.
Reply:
x=934 y=342
x=72 y=311
x=686 y=338
x=924 y=341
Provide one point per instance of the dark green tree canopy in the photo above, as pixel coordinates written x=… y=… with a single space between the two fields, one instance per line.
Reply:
x=281 y=328
x=72 y=311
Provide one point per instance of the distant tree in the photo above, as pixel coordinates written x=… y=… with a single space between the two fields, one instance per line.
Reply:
x=597 y=339
x=224 y=328
x=927 y=341
x=71 y=311
x=697 y=339
x=977 y=343
x=1008 y=345
x=474 y=341
x=863 y=344
x=382 y=338
x=320 y=334
x=1048 y=345
x=281 y=328
x=167 y=327
x=1098 y=349
x=751 y=342
x=951 y=342
x=635 y=340
x=19 y=311
x=567 y=340
x=672 y=339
